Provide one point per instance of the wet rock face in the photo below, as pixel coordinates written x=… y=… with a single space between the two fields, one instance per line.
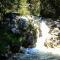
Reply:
x=23 y=24
x=19 y=30
x=53 y=42
x=50 y=8
x=15 y=22
x=30 y=40
x=54 y=39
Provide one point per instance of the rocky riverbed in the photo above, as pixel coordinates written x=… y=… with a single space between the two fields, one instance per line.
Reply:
x=49 y=26
x=34 y=54
x=53 y=40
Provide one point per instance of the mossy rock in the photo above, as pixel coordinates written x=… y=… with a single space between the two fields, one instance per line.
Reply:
x=26 y=39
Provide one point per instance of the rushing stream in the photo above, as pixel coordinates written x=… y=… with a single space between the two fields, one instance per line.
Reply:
x=40 y=52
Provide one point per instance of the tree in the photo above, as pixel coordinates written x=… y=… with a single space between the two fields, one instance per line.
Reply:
x=50 y=8
x=34 y=7
x=23 y=10
x=8 y=6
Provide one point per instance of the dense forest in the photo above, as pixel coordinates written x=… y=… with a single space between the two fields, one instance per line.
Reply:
x=20 y=23
x=46 y=8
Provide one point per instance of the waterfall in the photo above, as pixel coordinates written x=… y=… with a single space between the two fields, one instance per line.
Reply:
x=44 y=30
x=40 y=40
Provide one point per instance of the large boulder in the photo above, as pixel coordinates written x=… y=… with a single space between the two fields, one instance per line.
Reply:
x=17 y=31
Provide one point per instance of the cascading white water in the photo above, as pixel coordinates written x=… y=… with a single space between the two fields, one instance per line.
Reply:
x=40 y=40
x=44 y=30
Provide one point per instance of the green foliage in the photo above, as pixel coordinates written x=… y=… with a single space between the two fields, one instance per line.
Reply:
x=35 y=7
x=7 y=38
x=23 y=10
x=8 y=6
x=24 y=7
x=50 y=8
